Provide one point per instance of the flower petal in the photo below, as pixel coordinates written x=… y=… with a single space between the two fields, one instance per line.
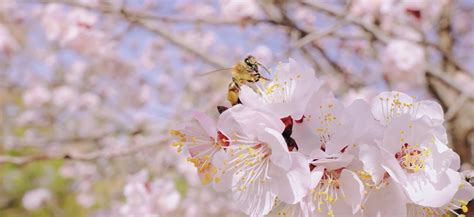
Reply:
x=372 y=160
x=390 y=200
x=256 y=201
x=353 y=189
x=291 y=186
x=431 y=109
x=206 y=123
x=425 y=193
x=306 y=139
x=280 y=155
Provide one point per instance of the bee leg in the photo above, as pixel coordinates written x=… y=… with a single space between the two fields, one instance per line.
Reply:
x=233 y=93
x=255 y=78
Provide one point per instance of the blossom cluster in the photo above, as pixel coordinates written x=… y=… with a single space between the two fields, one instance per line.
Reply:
x=291 y=148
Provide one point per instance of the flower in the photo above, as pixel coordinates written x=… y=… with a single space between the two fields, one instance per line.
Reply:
x=149 y=198
x=419 y=162
x=257 y=165
x=37 y=96
x=35 y=198
x=202 y=141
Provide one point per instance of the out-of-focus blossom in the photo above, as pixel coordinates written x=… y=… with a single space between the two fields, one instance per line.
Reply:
x=35 y=198
x=404 y=63
x=149 y=198
x=89 y=100
x=368 y=10
x=238 y=10
x=36 y=96
x=64 y=95
x=85 y=199
x=8 y=43
x=263 y=54
x=366 y=94
x=76 y=73
x=81 y=170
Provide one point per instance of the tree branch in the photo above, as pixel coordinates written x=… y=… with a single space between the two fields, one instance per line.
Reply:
x=105 y=154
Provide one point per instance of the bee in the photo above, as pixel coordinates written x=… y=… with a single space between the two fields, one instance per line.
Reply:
x=244 y=72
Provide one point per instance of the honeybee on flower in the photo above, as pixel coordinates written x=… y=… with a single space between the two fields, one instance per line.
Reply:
x=291 y=148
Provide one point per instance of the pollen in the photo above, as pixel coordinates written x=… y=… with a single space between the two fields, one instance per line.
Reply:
x=178 y=145
x=207 y=179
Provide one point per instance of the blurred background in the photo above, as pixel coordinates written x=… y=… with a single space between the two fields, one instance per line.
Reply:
x=89 y=88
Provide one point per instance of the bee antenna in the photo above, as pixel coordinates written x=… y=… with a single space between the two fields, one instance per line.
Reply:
x=268 y=71
x=266 y=79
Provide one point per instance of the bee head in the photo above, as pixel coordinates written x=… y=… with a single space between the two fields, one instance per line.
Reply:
x=251 y=61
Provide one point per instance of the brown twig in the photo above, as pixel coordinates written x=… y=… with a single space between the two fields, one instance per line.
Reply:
x=105 y=154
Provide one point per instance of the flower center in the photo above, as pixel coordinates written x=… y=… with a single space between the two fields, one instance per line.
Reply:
x=249 y=160
x=201 y=150
x=411 y=157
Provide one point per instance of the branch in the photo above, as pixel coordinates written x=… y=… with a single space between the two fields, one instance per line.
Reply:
x=456 y=106
x=377 y=32
x=101 y=154
x=373 y=30
x=174 y=39
x=317 y=35
x=140 y=18
x=432 y=71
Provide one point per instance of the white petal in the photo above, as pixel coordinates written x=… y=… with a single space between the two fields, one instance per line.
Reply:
x=431 y=109
x=306 y=139
x=291 y=186
x=227 y=123
x=445 y=157
x=280 y=155
x=372 y=160
x=465 y=192
x=333 y=162
x=392 y=166
x=256 y=201
x=316 y=176
x=243 y=120
x=206 y=123
x=405 y=130
x=225 y=179
x=353 y=189
x=387 y=201
x=425 y=193
x=248 y=97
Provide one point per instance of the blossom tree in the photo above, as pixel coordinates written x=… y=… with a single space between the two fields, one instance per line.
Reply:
x=89 y=90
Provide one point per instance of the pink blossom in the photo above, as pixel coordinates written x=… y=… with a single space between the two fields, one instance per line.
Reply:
x=36 y=198
x=37 y=96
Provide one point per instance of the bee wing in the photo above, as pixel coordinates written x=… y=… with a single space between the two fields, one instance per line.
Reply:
x=215 y=71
